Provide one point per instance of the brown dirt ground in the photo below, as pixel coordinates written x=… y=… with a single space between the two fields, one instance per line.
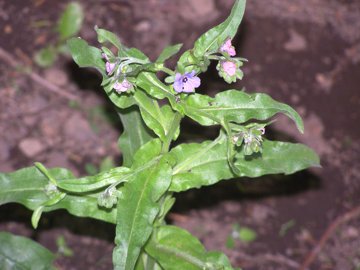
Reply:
x=304 y=53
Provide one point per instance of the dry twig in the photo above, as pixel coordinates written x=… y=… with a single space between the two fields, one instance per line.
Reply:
x=36 y=77
x=266 y=258
x=353 y=213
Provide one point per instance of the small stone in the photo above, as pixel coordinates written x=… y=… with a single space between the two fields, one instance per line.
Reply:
x=31 y=147
x=57 y=159
x=195 y=10
x=56 y=76
x=4 y=151
x=296 y=42
x=143 y=26
x=78 y=129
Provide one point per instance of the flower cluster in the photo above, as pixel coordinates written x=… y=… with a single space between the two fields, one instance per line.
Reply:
x=229 y=68
x=119 y=86
x=252 y=139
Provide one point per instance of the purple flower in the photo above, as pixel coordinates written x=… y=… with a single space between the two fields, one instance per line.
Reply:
x=227 y=47
x=124 y=86
x=229 y=68
x=186 y=83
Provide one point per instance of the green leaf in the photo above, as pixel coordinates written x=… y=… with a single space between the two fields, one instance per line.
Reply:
x=246 y=234
x=70 y=21
x=137 y=209
x=175 y=248
x=211 y=40
x=107 y=36
x=46 y=56
x=91 y=183
x=85 y=55
x=237 y=106
x=207 y=163
x=17 y=252
x=168 y=52
x=28 y=187
x=154 y=87
x=157 y=118
x=135 y=134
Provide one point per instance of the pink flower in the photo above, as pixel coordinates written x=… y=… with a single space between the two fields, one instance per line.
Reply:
x=123 y=86
x=229 y=68
x=109 y=67
x=227 y=47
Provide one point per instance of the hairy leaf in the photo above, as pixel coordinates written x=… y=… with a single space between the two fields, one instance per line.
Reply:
x=17 y=252
x=153 y=86
x=215 y=37
x=138 y=208
x=91 y=183
x=135 y=134
x=107 y=36
x=237 y=106
x=46 y=56
x=27 y=187
x=70 y=21
x=207 y=163
x=85 y=55
x=168 y=52
x=157 y=118
x=175 y=249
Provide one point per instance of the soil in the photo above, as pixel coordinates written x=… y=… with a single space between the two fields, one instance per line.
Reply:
x=304 y=53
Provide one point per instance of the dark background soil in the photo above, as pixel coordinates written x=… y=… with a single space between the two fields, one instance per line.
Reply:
x=304 y=53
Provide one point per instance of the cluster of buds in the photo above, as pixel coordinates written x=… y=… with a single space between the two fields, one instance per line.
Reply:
x=51 y=190
x=229 y=68
x=251 y=139
x=109 y=197
x=112 y=67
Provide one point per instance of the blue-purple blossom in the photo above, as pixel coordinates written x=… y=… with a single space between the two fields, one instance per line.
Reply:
x=186 y=83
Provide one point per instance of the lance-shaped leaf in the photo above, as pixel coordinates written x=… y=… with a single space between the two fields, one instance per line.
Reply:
x=237 y=106
x=135 y=134
x=85 y=55
x=168 y=52
x=215 y=37
x=211 y=41
x=70 y=21
x=157 y=118
x=28 y=187
x=17 y=252
x=107 y=36
x=207 y=163
x=154 y=87
x=138 y=207
x=176 y=249
x=91 y=183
